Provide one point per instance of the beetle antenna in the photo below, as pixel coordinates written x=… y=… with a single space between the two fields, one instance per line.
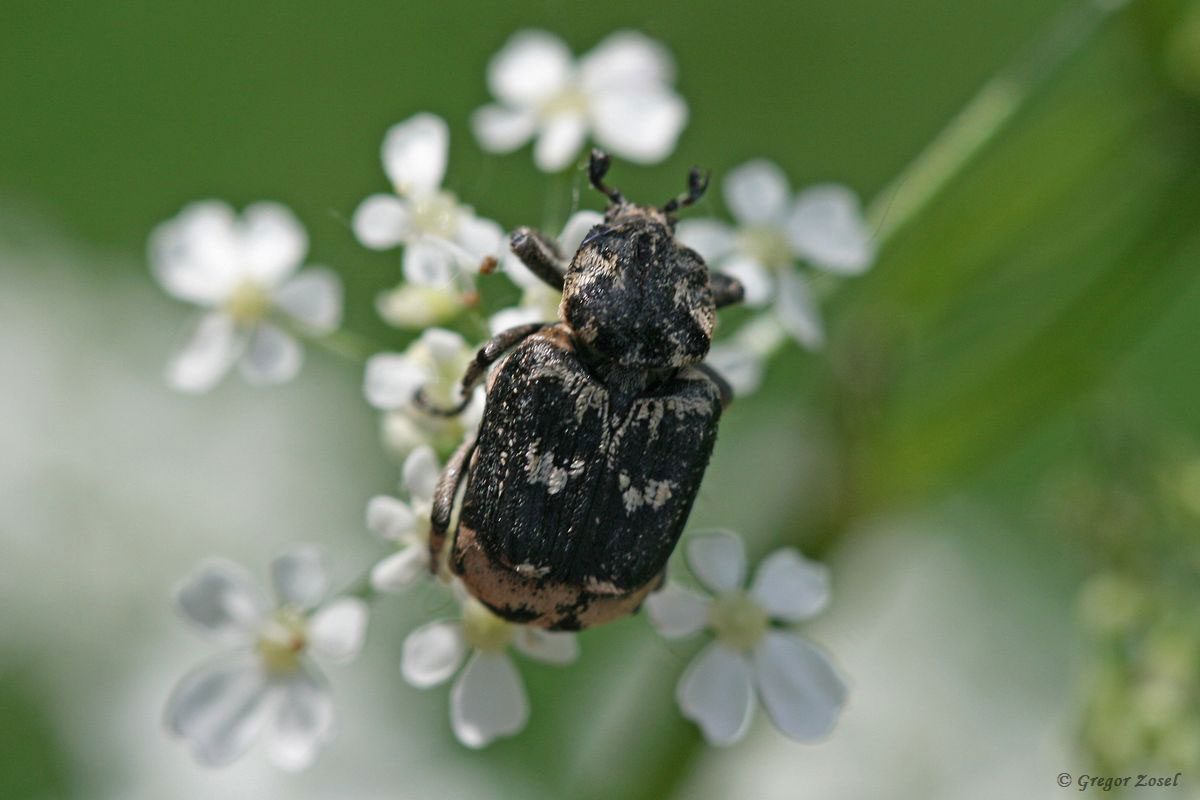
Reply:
x=697 y=184
x=598 y=166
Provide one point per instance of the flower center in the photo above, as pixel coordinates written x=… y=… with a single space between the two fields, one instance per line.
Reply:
x=282 y=640
x=248 y=303
x=737 y=620
x=767 y=245
x=483 y=630
x=436 y=214
x=570 y=101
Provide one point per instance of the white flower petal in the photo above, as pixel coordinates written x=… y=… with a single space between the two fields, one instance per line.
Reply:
x=445 y=347
x=641 y=126
x=801 y=690
x=303 y=722
x=273 y=242
x=421 y=473
x=416 y=307
x=390 y=518
x=221 y=600
x=827 y=228
x=757 y=193
x=432 y=653
x=272 y=356
x=626 y=58
x=718 y=560
x=338 y=629
x=392 y=380
x=415 y=152
x=711 y=238
x=676 y=612
x=754 y=277
x=207 y=356
x=797 y=311
x=789 y=587
x=429 y=262
x=716 y=693
x=551 y=647
x=401 y=570
x=314 y=297
x=195 y=255
x=507 y=318
x=480 y=237
x=220 y=708
x=577 y=227
x=559 y=142
x=298 y=576
x=502 y=130
x=382 y=221
x=740 y=366
x=532 y=67
x=488 y=700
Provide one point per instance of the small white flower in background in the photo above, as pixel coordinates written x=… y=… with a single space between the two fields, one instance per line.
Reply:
x=406 y=524
x=444 y=241
x=539 y=302
x=741 y=359
x=801 y=690
x=435 y=362
x=266 y=686
x=822 y=226
x=488 y=700
x=241 y=271
x=621 y=93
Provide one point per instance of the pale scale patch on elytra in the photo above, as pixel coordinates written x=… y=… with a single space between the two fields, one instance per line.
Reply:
x=654 y=494
x=542 y=468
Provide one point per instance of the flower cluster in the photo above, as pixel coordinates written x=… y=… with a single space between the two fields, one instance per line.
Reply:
x=245 y=272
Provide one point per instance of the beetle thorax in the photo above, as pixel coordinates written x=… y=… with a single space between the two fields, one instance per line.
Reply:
x=635 y=297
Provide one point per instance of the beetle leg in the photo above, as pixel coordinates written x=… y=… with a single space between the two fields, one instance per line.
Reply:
x=726 y=289
x=540 y=254
x=487 y=355
x=443 y=501
x=719 y=381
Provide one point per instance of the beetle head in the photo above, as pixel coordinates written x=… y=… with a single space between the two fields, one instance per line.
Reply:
x=633 y=294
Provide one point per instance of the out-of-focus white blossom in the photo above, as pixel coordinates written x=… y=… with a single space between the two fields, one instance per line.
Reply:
x=750 y=654
x=822 y=226
x=742 y=358
x=434 y=363
x=266 y=685
x=539 y=301
x=406 y=524
x=620 y=93
x=241 y=271
x=488 y=699
x=444 y=241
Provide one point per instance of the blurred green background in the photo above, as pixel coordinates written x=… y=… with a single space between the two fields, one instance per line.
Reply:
x=997 y=450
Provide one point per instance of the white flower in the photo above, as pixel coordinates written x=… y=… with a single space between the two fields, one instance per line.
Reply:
x=435 y=363
x=539 y=301
x=405 y=524
x=741 y=359
x=488 y=699
x=822 y=226
x=621 y=92
x=241 y=271
x=801 y=690
x=444 y=241
x=266 y=686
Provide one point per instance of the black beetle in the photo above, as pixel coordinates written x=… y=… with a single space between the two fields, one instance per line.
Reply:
x=597 y=428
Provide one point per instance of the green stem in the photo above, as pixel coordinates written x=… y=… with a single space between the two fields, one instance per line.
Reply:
x=341 y=343
x=985 y=116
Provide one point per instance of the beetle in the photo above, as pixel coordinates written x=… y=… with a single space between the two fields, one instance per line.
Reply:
x=597 y=427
